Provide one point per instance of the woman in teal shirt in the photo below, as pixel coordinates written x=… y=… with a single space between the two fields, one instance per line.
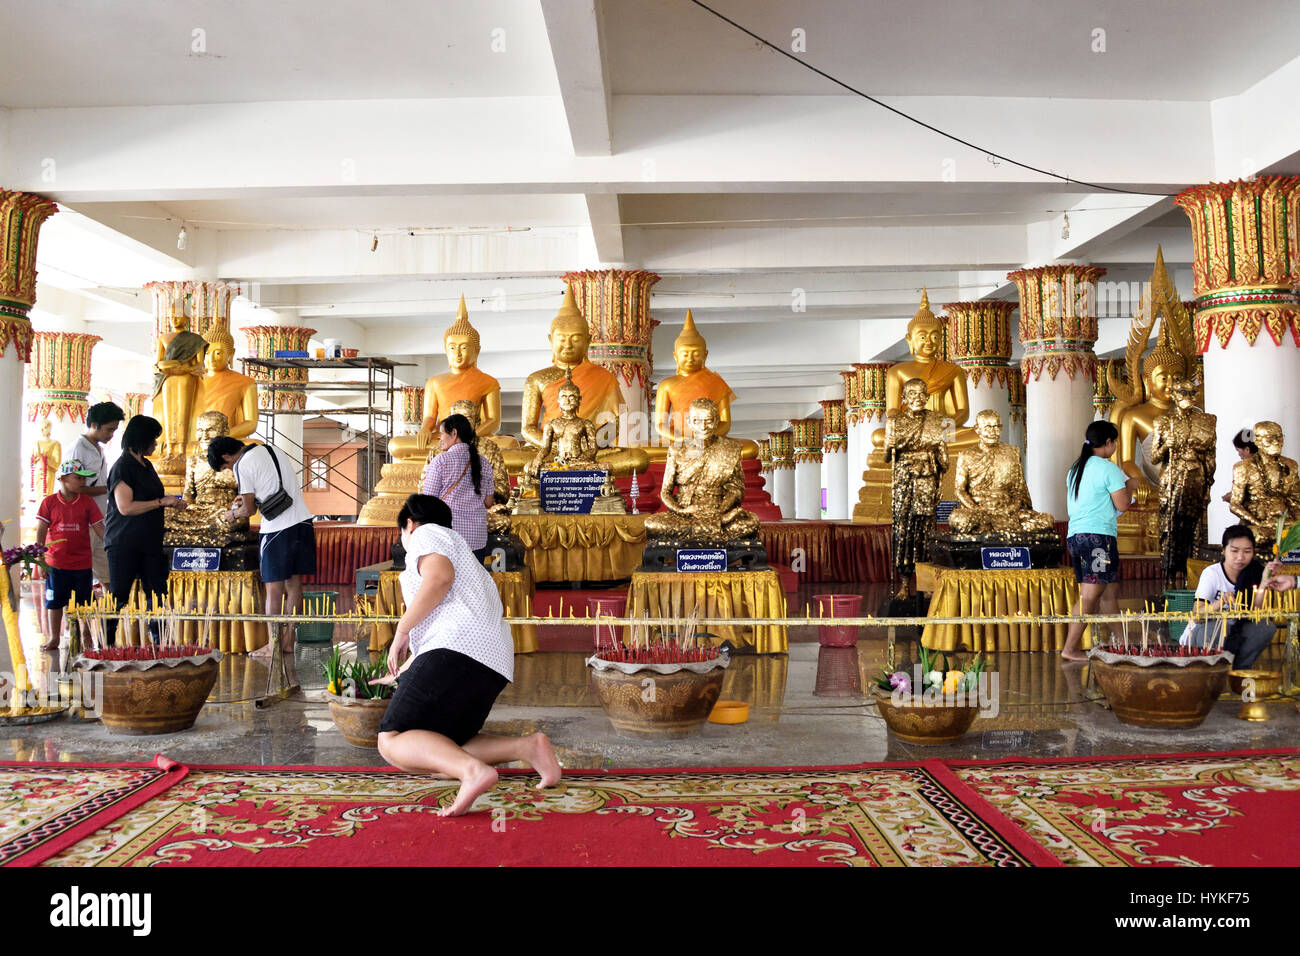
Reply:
x=1097 y=493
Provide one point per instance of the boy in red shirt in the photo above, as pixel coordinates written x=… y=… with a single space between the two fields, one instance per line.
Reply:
x=67 y=517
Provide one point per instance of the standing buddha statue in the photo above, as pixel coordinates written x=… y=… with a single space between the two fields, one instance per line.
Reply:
x=1182 y=445
x=46 y=458
x=224 y=390
x=915 y=447
x=177 y=375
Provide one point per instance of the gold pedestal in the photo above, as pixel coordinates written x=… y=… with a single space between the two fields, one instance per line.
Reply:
x=875 y=497
x=398 y=480
x=716 y=594
x=977 y=594
x=515 y=589
x=1139 y=531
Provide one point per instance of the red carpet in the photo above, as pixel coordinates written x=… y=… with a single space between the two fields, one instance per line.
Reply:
x=1215 y=809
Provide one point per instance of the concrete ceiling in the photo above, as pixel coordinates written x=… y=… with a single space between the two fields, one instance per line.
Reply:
x=492 y=146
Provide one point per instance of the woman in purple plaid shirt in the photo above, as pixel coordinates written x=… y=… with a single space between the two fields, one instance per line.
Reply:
x=463 y=478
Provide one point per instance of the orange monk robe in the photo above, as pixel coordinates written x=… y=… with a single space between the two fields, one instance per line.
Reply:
x=224 y=392
x=470 y=385
x=599 y=390
x=684 y=389
x=938 y=379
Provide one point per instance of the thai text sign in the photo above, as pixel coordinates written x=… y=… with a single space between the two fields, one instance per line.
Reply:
x=701 y=559
x=570 y=492
x=1004 y=559
x=196 y=559
x=944 y=511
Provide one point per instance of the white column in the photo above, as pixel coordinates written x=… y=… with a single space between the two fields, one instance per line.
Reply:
x=808 y=490
x=1238 y=406
x=1058 y=412
x=783 y=489
x=835 y=480
x=12 y=474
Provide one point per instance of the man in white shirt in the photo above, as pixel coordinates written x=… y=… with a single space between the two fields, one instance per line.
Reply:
x=268 y=482
x=102 y=420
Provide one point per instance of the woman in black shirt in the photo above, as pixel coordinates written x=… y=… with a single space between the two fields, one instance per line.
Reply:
x=133 y=527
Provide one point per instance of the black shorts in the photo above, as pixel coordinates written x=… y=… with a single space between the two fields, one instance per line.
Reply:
x=1095 y=558
x=61 y=585
x=287 y=553
x=445 y=692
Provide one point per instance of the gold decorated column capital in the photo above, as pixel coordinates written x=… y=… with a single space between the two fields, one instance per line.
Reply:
x=263 y=342
x=765 y=454
x=58 y=375
x=204 y=303
x=807 y=439
x=412 y=405
x=782 y=449
x=1246 y=259
x=835 y=433
x=871 y=378
x=849 y=378
x=979 y=339
x=1058 y=319
x=21 y=216
x=616 y=305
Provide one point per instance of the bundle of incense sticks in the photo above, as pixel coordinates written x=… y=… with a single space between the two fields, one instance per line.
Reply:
x=147 y=652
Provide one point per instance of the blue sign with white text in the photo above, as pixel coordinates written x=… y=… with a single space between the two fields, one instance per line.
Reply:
x=196 y=559
x=944 y=511
x=1004 y=559
x=701 y=559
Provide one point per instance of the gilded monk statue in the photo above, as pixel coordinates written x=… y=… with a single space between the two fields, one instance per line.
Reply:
x=703 y=485
x=915 y=447
x=232 y=394
x=991 y=488
x=1182 y=444
x=208 y=494
x=570 y=338
x=1265 y=486
x=177 y=375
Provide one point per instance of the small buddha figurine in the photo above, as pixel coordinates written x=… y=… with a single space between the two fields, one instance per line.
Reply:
x=1182 y=444
x=1265 y=485
x=207 y=493
x=991 y=488
x=463 y=382
x=47 y=455
x=177 y=375
x=918 y=453
x=568 y=441
x=703 y=485
x=224 y=390
x=570 y=338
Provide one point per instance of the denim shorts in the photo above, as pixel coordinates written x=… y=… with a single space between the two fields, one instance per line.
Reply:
x=1094 y=557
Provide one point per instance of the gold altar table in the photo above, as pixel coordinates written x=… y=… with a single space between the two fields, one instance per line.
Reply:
x=1046 y=591
x=581 y=547
x=515 y=588
x=218 y=592
x=716 y=594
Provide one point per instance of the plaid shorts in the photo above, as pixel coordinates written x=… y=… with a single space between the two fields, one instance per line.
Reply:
x=1095 y=558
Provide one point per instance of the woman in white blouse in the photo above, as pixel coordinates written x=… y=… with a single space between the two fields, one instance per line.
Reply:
x=461 y=658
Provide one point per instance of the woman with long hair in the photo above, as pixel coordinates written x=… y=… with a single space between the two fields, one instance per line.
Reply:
x=133 y=527
x=1097 y=493
x=462 y=478
x=461 y=658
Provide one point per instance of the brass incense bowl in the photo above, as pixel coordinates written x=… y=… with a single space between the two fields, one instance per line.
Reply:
x=1263 y=684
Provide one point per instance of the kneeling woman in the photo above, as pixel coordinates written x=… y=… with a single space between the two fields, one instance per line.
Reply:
x=461 y=658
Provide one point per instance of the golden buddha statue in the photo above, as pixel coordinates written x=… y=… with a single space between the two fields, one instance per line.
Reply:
x=1182 y=445
x=1265 y=485
x=463 y=382
x=570 y=338
x=990 y=487
x=703 y=485
x=226 y=391
x=178 y=372
x=207 y=493
x=693 y=380
x=47 y=455
x=918 y=454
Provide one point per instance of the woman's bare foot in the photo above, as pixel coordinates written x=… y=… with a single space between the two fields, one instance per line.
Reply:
x=49 y=645
x=542 y=757
x=1074 y=658
x=263 y=653
x=471 y=788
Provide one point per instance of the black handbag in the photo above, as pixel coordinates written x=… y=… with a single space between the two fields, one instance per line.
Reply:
x=280 y=500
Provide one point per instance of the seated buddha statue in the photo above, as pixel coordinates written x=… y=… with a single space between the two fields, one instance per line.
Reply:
x=991 y=489
x=693 y=380
x=224 y=390
x=208 y=494
x=1265 y=486
x=703 y=485
x=570 y=338
x=462 y=382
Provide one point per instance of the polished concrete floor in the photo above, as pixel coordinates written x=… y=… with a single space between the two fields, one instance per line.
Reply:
x=807 y=708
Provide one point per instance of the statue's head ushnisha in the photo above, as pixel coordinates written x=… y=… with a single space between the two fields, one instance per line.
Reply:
x=1183 y=393
x=221 y=349
x=1161 y=367
x=915 y=394
x=461 y=341
x=570 y=334
x=689 y=348
x=468 y=409
x=207 y=427
x=988 y=427
x=569 y=396
x=925 y=332
x=1268 y=438
x=702 y=418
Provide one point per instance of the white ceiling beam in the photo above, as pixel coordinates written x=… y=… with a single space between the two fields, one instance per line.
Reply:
x=606 y=226
x=574 y=29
